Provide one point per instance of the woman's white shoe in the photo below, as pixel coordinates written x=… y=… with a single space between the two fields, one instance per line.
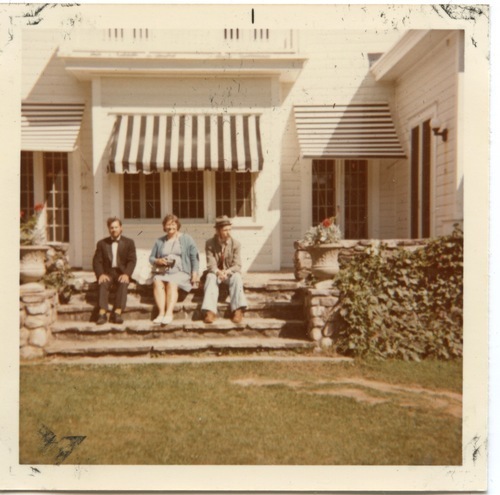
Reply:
x=158 y=319
x=167 y=319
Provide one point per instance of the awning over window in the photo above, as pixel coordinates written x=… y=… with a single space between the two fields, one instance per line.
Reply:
x=50 y=126
x=357 y=130
x=150 y=143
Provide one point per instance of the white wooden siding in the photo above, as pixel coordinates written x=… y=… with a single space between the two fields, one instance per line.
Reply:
x=431 y=83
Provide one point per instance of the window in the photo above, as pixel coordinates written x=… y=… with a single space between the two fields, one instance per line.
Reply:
x=188 y=194
x=27 y=183
x=141 y=196
x=420 y=164
x=233 y=194
x=332 y=179
x=323 y=190
x=356 y=199
x=55 y=166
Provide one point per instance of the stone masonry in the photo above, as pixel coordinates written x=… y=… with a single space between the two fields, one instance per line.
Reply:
x=38 y=308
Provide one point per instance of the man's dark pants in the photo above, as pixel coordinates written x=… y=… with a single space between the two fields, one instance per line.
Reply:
x=121 y=291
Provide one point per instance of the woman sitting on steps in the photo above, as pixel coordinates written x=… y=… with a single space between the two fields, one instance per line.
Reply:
x=175 y=261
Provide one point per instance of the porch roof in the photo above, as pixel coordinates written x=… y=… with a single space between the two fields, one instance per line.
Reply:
x=179 y=142
x=50 y=126
x=355 y=130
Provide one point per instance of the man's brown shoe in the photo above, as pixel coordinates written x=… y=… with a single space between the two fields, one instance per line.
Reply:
x=209 y=317
x=237 y=316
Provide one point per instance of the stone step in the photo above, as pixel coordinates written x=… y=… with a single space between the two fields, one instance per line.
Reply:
x=271 y=282
x=179 y=328
x=80 y=309
x=164 y=346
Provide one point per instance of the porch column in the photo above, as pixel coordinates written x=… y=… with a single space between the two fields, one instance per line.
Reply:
x=275 y=130
x=98 y=148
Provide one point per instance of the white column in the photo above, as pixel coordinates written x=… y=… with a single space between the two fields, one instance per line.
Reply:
x=98 y=148
x=275 y=131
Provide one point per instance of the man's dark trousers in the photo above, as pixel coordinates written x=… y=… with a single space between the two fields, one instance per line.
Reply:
x=121 y=291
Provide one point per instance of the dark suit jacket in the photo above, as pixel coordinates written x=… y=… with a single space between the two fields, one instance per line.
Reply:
x=103 y=257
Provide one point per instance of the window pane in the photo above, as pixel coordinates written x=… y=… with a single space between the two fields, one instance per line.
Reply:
x=356 y=199
x=323 y=190
x=243 y=194
x=187 y=194
x=131 y=196
x=233 y=194
x=223 y=193
x=152 y=196
x=57 y=195
x=27 y=183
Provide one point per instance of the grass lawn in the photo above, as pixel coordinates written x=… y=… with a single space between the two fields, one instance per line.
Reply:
x=305 y=413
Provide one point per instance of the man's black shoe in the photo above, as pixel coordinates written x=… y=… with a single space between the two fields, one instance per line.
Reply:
x=101 y=320
x=116 y=318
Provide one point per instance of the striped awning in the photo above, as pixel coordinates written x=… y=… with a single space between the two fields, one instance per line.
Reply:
x=50 y=126
x=357 y=130
x=155 y=143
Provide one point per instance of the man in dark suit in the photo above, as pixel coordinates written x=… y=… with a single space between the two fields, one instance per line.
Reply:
x=114 y=262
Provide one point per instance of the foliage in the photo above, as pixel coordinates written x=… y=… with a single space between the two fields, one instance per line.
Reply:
x=59 y=275
x=327 y=231
x=403 y=304
x=30 y=232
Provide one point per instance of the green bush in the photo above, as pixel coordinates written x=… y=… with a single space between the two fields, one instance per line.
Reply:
x=401 y=304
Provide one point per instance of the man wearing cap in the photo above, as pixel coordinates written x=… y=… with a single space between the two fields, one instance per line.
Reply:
x=223 y=266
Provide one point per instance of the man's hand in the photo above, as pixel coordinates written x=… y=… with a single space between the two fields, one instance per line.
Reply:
x=103 y=278
x=222 y=275
x=124 y=278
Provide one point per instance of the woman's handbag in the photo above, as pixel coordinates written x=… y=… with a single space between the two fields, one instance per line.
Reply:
x=163 y=269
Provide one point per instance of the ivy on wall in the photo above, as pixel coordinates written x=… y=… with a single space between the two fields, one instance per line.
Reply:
x=401 y=304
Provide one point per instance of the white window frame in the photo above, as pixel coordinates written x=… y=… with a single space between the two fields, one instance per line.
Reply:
x=209 y=205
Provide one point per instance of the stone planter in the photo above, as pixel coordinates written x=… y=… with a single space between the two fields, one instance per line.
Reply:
x=32 y=266
x=325 y=260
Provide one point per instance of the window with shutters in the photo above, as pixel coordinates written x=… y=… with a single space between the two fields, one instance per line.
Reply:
x=420 y=164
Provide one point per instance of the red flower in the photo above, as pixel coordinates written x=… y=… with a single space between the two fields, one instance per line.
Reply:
x=326 y=222
x=39 y=207
x=22 y=213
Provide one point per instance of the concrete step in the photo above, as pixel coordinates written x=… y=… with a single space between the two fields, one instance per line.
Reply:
x=144 y=329
x=165 y=346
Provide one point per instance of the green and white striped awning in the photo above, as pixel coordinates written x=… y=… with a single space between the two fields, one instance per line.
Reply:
x=356 y=130
x=184 y=142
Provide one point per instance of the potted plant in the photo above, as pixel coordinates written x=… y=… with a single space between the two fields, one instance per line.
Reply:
x=32 y=249
x=322 y=243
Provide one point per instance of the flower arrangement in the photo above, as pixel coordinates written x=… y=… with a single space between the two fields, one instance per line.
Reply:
x=327 y=231
x=31 y=233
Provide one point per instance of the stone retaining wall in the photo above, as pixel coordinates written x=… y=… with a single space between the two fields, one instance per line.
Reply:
x=37 y=312
x=321 y=300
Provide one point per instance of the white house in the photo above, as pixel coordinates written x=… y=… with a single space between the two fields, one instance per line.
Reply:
x=276 y=128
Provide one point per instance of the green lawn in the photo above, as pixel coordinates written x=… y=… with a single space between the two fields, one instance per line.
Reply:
x=242 y=413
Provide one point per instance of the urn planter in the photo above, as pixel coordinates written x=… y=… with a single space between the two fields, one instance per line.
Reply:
x=325 y=260
x=32 y=265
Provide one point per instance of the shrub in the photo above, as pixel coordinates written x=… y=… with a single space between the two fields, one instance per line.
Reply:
x=401 y=304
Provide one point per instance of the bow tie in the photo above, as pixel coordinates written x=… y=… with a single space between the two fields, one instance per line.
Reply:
x=114 y=240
